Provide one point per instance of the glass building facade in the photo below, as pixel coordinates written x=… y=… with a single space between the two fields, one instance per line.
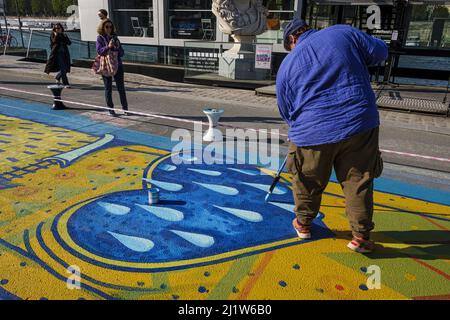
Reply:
x=161 y=27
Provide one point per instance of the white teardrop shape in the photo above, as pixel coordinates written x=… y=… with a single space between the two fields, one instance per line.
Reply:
x=187 y=158
x=228 y=191
x=168 y=167
x=134 y=243
x=247 y=172
x=115 y=209
x=199 y=240
x=250 y=216
x=207 y=172
x=265 y=188
x=165 y=185
x=167 y=214
x=285 y=206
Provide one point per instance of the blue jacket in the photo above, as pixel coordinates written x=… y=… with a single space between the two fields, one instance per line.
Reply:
x=323 y=85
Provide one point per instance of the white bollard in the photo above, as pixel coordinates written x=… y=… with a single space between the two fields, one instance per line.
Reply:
x=213 y=133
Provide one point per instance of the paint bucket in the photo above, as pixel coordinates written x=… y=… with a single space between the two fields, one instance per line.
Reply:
x=153 y=196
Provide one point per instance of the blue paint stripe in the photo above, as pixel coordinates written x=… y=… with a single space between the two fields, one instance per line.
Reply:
x=5 y=295
x=26 y=238
x=66 y=265
x=14 y=160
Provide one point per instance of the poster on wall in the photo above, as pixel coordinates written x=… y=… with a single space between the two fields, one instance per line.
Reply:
x=263 y=57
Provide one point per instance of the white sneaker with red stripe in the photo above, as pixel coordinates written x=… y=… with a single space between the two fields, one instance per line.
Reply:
x=361 y=245
x=303 y=232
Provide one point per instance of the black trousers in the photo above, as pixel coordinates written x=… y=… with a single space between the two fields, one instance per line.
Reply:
x=62 y=66
x=120 y=83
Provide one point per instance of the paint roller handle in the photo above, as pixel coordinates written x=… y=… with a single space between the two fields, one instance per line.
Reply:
x=274 y=183
x=278 y=177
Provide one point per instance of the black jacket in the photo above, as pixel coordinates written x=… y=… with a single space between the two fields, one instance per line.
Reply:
x=59 y=46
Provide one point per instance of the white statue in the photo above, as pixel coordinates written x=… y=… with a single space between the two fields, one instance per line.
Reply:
x=240 y=17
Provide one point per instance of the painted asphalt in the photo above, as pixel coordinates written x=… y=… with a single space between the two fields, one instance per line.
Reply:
x=74 y=192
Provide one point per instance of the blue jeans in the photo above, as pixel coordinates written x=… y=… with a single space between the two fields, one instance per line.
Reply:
x=120 y=83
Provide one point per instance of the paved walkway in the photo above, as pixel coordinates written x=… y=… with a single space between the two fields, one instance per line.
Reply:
x=413 y=134
x=434 y=100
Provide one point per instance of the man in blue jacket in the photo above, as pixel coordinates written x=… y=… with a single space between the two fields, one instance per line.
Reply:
x=325 y=96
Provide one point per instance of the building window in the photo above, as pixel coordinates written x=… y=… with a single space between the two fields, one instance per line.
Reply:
x=190 y=20
x=280 y=13
x=429 y=27
x=133 y=18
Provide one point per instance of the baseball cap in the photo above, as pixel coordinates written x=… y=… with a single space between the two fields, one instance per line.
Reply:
x=291 y=27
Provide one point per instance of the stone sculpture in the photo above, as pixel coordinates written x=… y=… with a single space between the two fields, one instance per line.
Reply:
x=243 y=20
x=240 y=17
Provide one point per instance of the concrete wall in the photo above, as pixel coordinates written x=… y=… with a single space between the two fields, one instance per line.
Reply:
x=88 y=17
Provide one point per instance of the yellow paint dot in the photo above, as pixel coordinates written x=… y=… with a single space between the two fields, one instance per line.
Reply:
x=414 y=228
x=410 y=277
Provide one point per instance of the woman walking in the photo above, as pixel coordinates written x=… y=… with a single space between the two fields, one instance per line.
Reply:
x=59 y=60
x=107 y=43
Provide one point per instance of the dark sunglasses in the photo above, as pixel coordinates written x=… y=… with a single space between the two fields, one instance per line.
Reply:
x=108 y=27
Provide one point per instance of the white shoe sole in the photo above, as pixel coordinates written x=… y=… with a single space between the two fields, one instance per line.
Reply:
x=358 y=249
x=303 y=236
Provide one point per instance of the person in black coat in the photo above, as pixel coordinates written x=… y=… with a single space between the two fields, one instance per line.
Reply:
x=59 y=60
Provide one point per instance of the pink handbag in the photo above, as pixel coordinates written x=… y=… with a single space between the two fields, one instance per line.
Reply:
x=107 y=65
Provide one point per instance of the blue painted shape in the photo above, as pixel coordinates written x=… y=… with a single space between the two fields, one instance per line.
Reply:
x=5 y=295
x=228 y=191
x=203 y=215
x=199 y=240
x=174 y=187
x=12 y=160
x=136 y=244
x=114 y=209
x=167 y=214
x=247 y=215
